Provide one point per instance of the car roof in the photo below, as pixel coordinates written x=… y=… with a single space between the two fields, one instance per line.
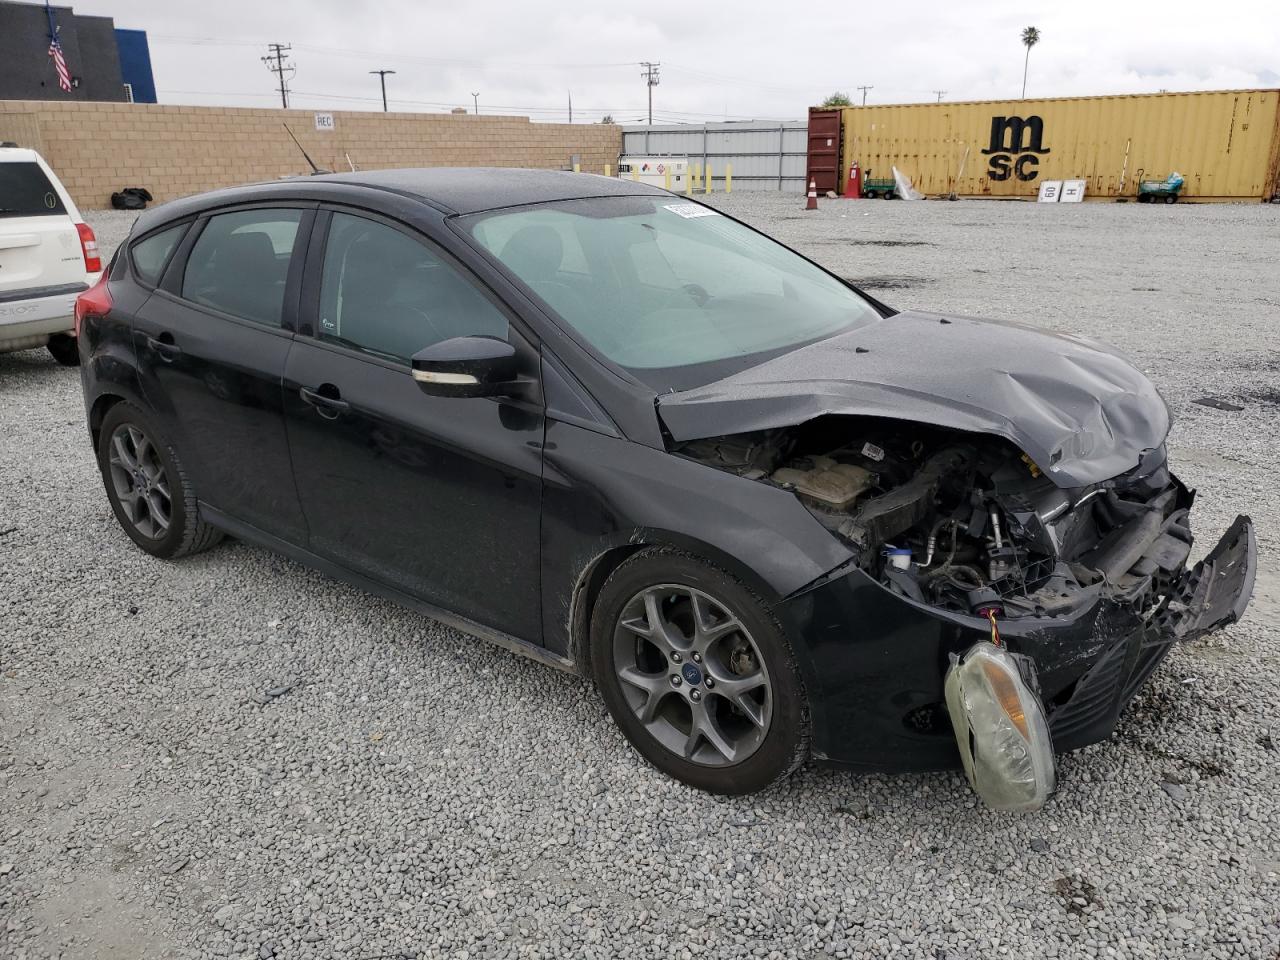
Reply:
x=17 y=155
x=465 y=190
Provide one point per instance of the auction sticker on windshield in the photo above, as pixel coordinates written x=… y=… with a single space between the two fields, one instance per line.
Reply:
x=691 y=210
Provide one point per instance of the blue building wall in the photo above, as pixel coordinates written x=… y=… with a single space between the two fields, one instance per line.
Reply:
x=135 y=64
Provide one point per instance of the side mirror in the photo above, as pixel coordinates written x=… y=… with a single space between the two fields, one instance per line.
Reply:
x=466 y=367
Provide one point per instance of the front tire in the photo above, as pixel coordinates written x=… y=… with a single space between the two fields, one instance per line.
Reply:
x=698 y=674
x=148 y=488
x=64 y=349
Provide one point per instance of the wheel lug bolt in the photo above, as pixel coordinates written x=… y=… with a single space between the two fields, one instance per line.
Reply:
x=697 y=658
x=675 y=680
x=695 y=696
x=710 y=683
x=675 y=656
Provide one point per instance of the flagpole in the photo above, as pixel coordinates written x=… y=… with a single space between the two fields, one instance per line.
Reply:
x=53 y=29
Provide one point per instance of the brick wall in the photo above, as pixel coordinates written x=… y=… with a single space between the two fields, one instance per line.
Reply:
x=97 y=148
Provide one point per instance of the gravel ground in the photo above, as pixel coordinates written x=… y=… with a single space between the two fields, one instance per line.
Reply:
x=233 y=756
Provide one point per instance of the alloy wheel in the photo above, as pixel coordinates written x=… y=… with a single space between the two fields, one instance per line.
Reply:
x=692 y=675
x=139 y=480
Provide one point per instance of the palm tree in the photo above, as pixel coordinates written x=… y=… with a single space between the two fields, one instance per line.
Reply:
x=1030 y=37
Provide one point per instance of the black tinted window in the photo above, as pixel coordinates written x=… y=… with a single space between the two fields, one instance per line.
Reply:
x=240 y=263
x=26 y=192
x=151 y=255
x=384 y=292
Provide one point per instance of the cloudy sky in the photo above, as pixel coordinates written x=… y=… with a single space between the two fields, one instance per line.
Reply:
x=745 y=60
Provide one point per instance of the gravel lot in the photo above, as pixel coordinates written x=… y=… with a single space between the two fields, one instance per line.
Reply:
x=233 y=756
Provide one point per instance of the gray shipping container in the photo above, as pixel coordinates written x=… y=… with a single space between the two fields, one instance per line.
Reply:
x=766 y=155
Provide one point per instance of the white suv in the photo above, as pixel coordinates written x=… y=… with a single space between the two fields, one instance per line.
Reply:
x=48 y=257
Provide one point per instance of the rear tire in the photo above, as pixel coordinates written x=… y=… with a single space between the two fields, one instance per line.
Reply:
x=148 y=488
x=1171 y=198
x=698 y=674
x=65 y=350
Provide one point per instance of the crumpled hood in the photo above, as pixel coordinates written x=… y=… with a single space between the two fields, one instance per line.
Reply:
x=1077 y=407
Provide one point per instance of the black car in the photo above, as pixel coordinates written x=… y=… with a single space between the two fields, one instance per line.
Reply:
x=629 y=436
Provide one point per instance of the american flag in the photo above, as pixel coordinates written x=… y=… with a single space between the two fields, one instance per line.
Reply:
x=60 y=64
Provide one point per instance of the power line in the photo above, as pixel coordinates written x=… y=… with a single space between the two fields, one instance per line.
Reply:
x=650 y=76
x=275 y=61
x=671 y=115
x=384 y=55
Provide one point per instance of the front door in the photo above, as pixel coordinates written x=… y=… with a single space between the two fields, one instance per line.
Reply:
x=437 y=497
x=211 y=345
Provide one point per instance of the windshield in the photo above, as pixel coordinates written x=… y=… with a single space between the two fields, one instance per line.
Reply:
x=668 y=289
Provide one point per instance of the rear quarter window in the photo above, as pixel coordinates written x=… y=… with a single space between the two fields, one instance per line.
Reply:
x=25 y=191
x=151 y=255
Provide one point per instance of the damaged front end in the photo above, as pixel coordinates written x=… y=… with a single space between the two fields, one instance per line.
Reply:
x=1088 y=585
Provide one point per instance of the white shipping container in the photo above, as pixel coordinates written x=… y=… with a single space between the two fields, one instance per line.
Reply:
x=654 y=171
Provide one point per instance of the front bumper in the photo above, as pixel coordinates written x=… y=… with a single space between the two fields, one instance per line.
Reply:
x=874 y=662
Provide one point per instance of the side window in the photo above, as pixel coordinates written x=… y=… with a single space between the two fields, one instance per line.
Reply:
x=240 y=263
x=384 y=292
x=151 y=255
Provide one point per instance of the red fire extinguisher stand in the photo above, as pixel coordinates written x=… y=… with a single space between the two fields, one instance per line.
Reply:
x=853 y=188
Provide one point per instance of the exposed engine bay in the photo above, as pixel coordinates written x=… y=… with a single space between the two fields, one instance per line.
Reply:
x=969 y=523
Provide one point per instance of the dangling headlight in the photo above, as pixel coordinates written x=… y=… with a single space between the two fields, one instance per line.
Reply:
x=1000 y=728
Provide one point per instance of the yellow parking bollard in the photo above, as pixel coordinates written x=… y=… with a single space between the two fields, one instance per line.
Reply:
x=688 y=182
x=707 y=179
x=577 y=168
x=607 y=170
x=728 y=178
x=697 y=176
x=635 y=173
x=666 y=178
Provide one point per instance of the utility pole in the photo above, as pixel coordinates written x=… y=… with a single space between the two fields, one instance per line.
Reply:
x=475 y=98
x=275 y=63
x=570 y=92
x=650 y=76
x=382 y=76
x=864 y=94
x=940 y=94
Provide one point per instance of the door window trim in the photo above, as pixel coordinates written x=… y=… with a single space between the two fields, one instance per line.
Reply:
x=171 y=282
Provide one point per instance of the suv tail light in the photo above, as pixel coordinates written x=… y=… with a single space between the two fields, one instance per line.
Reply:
x=94 y=302
x=89 y=244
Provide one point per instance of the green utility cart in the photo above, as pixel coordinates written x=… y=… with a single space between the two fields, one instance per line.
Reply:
x=885 y=187
x=1160 y=191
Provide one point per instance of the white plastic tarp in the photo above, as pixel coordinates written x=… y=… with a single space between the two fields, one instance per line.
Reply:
x=905 y=190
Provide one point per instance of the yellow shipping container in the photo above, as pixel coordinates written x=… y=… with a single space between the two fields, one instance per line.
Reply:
x=1225 y=143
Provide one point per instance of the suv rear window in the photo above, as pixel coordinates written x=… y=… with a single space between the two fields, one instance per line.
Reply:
x=26 y=192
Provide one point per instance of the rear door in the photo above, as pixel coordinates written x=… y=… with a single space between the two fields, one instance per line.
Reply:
x=40 y=252
x=212 y=342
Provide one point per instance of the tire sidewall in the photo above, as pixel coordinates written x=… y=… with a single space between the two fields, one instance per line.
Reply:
x=169 y=544
x=786 y=742
x=64 y=349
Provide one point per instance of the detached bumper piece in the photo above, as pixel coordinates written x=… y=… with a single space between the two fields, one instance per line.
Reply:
x=1000 y=727
x=1216 y=592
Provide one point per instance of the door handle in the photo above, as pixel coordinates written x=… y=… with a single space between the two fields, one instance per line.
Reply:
x=328 y=407
x=167 y=349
